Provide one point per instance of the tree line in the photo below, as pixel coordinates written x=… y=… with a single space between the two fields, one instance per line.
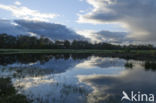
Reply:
x=32 y=42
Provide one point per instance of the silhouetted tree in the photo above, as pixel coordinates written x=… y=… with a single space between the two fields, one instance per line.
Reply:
x=66 y=44
x=31 y=42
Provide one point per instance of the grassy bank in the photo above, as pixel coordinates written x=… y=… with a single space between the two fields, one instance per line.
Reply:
x=8 y=94
x=16 y=51
x=130 y=54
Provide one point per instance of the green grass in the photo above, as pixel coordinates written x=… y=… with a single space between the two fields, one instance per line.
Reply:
x=16 y=51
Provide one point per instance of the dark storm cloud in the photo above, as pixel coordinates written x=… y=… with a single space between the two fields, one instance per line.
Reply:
x=7 y=26
x=53 y=31
x=112 y=37
x=138 y=16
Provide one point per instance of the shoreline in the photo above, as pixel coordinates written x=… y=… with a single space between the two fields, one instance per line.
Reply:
x=92 y=51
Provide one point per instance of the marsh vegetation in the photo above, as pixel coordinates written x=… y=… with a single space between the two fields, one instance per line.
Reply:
x=8 y=93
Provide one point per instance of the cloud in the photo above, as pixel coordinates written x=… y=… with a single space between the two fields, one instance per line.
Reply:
x=17 y=3
x=38 y=28
x=106 y=36
x=82 y=11
x=137 y=16
x=88 y=34
x=22 y=12
x=10 y=27
x=59 y=32
x=113 y=37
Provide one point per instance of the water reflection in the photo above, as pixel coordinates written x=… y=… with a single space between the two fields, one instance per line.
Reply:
x=150 y=65
x=47 y=90
x=57 y=62
x=108 y=89
x=102 y=62
x=77 y=78
x=7 y=59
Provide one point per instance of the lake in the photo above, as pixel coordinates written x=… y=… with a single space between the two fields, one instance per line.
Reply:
x=78 y=78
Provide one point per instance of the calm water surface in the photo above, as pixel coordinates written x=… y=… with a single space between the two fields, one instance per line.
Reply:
x=82 y=78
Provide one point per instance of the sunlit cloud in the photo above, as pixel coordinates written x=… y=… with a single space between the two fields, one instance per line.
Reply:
x=137 y=16
x=17 y=3
x=105 y=36
x=22 y=12
x=88 y=34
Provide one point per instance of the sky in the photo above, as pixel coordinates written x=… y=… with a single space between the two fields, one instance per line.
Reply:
x=113 y=21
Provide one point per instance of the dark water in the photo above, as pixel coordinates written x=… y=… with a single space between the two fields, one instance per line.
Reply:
x=78 y=78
